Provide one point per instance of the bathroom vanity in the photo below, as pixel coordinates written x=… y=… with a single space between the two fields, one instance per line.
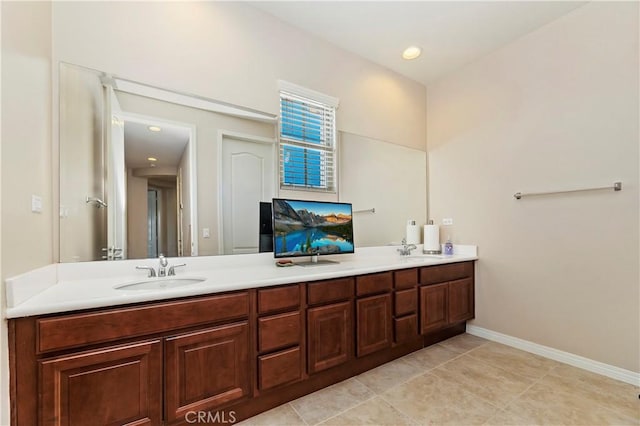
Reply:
x=232 y=353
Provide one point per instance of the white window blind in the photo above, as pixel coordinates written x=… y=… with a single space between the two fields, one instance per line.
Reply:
x=307 y=143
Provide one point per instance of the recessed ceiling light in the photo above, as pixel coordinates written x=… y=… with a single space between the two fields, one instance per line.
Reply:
x=154 y=128
x=152 y=159
x=411 y=52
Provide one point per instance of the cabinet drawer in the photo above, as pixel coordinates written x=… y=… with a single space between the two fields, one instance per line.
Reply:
x=278 y=299
x=405 y=278
x=406 y=328
x=75 y=330
x=442 y=273
x=330 y=290
x=374 y=283
x=280 y=368
x=406 y=302
x=278 y=331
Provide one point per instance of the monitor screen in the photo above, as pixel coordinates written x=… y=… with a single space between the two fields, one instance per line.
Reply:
x=309 y=228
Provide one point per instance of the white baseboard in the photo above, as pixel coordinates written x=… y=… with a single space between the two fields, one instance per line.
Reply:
x=597 y=367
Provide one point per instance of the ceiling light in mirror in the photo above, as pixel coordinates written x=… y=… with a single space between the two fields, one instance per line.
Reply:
x=411 y=52
x=152 y=159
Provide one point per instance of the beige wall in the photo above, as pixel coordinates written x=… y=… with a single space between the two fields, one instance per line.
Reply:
x=236 y=53
x=136 y=216
x=555 y=109
x=26 y=148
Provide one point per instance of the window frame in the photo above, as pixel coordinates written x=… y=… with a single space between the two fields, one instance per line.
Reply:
x=292 y=91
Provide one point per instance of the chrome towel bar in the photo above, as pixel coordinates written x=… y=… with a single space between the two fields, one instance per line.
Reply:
x=373 y=210
x=617 y=186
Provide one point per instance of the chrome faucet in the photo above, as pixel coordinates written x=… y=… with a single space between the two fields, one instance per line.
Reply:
x=405 y=250
x=162 y=269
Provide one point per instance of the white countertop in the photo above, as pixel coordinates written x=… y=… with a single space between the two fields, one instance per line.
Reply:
x=73 y=286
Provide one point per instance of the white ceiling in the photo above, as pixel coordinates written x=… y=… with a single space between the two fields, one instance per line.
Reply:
x=167 y=146
x=450 y=33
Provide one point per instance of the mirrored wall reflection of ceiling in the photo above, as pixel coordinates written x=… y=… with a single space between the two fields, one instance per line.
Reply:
x=166 y=146
x=450 y=33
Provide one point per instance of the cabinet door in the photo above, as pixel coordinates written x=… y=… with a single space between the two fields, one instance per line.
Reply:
x=111 y=386
x=330 y=335
x=461 y=300
x=433 y=307
x=206 y=369
x=374 y=324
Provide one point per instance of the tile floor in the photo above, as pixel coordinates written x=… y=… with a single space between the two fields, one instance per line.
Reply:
x=465 y=380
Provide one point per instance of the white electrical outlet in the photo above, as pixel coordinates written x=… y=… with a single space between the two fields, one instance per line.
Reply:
x=447 y=221
x=206 y=233
x=36 y=204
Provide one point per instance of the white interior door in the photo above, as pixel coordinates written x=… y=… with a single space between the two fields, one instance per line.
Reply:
x=116 y=183
x=248 y=177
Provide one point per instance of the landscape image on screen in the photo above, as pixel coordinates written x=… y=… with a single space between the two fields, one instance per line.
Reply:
x=306 y=228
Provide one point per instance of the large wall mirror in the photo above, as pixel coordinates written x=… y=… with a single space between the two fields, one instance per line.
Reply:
x=147 y=171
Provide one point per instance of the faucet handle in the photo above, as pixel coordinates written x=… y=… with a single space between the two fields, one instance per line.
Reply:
x=404 y=241
x=163 y=260
x=152 y=272
x=172 y=269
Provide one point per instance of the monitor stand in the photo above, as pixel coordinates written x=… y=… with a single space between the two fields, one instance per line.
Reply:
x=316 y=261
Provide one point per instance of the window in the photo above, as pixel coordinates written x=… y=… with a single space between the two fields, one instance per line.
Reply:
x=307 y=140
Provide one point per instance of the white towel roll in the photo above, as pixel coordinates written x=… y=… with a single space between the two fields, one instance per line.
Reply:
x=432 y=238
x=413 y=232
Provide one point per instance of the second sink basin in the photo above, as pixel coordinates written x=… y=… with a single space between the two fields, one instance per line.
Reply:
x=160 y=283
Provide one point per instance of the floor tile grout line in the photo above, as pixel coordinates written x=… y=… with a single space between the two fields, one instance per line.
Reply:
x=350 y=408
x=504 y=369
x=412 y=419
x=298 y=414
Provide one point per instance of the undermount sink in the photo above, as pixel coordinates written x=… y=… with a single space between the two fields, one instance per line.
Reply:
x=160 y=283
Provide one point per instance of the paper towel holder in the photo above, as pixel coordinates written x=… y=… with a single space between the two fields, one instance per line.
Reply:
x=424 y=251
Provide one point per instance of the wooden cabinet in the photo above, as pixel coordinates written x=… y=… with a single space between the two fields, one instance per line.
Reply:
x=281 y=343
x=329 y=336
x=461 y=300
x=433 y=307
x=374 y=324
x=405 y=305
x=206 y=369
x=117 y=385
x=448 y=297
x=249 y=350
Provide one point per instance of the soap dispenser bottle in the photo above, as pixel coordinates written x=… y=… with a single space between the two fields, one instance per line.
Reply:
x=448 y=247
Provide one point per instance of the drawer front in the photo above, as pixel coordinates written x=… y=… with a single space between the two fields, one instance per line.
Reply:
x=278 y=299
x=330 y=291
x=406 y=302
x=280 y=368
x=405 y=328
x=374 y=283
x=278 y=331
x=449 y=272
x=405 y=278
x=75 y=330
